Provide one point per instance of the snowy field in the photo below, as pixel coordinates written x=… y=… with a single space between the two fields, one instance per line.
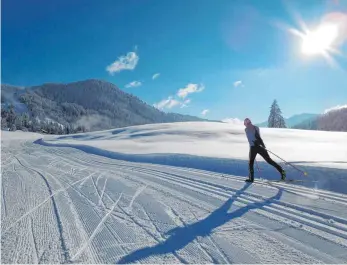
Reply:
x=172 y=193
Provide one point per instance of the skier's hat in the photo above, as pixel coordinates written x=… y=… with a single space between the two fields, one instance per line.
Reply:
x=247 y=121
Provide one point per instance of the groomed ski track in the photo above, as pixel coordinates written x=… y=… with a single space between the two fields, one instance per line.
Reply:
x=62 y=205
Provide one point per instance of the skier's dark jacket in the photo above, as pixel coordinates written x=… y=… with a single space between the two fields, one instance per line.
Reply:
x=253 y=136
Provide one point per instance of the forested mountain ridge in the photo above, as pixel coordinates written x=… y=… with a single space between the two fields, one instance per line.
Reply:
x=334 y=120
x=79 y=106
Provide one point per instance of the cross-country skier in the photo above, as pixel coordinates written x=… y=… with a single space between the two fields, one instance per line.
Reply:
x=257 y=146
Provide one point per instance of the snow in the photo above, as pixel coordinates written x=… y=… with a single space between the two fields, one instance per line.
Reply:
x=217 y=140
x=172 y=193
x=53 y=121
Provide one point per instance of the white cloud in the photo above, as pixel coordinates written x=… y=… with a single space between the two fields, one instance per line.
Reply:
x=238 y=83
x=133 y=84
x=125 y=62
x=204 y=112
x=338 y=107
x=170 y=102
x=185 y=103
x=167 y=103
x=155 y=76
x=190 y=88
x=182 y=93
x=235 y=121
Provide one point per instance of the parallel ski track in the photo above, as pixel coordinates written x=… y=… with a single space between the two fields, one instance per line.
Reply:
x=286 y=186
x=33 y=241
x=84 y=219
x=208 y=184
x=340 y=198
x=209 y=208
x=132 y=169
x=247 y=197
x=56 y=212
x=87 y=218
x=94 y=207
x=147 y=231
x=287 y=211
x=299 y=190
x=154 y=221
x=65 y=211
x=317 y=221
x=3 y=196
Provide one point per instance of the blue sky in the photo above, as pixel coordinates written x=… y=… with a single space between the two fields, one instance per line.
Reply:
x=217 y=59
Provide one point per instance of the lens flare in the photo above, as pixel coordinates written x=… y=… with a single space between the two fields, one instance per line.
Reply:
x=321 y=40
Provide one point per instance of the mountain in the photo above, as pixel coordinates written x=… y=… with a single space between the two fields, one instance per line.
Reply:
x=85 y=106
x=334 y=120
x=10 y=96
x=294 y=120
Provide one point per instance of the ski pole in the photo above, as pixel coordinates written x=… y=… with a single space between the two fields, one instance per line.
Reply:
x=304 y=172
x=258 y=167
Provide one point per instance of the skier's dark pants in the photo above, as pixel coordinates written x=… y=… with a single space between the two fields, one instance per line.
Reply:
x=254 y=150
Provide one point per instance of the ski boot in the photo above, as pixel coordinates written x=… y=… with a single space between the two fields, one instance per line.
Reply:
x=251 y=176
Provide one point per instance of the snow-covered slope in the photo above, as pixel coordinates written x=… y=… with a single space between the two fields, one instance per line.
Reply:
x=155 y=194
x=217 y=140
x=223 y=148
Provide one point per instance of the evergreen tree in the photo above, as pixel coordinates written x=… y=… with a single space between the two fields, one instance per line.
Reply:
x=4 y=123
x=35 y=125
x=11 y=119
x=4 y=115
x=26 y=120
x=67 y=129
x=19 y=122
x=60 y=129
x=276 y=119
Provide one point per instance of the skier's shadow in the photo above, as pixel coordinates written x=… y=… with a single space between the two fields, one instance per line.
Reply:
x=182 y=236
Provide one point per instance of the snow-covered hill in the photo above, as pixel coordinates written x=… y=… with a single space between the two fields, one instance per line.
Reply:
x=172 y=193
x=87 y=105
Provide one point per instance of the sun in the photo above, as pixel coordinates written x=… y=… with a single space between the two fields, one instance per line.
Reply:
x=324 y=40
x=319 y=41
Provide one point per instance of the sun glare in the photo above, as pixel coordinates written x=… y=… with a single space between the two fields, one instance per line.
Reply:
x=319 y=41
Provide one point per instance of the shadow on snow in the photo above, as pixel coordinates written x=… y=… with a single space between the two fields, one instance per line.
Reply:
x=332 y=179
x=180 y=237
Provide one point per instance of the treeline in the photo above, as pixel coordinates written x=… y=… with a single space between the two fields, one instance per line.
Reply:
x=89 y=105
x=12 y=121
x=335 y=120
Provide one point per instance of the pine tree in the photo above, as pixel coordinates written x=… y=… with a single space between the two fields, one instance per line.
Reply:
x=60 y=129
x=67 y=129
x=11 y=119
x=19 y=122
x=26 y=120
x=276 y=119
x=4 y=115
x=35 y=125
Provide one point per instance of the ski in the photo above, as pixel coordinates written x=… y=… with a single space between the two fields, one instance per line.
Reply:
x=286 y=181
